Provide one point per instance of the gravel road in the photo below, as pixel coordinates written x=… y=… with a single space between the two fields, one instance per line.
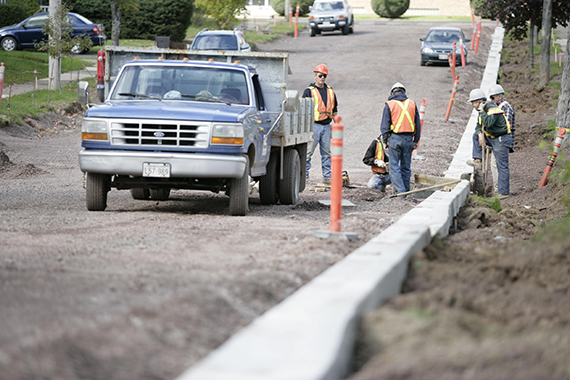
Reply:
x=146 y=288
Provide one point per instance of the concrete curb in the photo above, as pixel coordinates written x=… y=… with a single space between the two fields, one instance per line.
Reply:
x=311 y=334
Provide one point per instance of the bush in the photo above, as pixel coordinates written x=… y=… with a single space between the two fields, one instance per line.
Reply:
x=11 y=14
x=390 y=8
x=155 y=18
x=279 y=6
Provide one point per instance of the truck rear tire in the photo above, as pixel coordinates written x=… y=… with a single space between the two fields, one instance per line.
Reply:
x=97 y=189
x=291 y=182
x=268 y=182
x=141 y=194
x=239 y=193
x=160 y=194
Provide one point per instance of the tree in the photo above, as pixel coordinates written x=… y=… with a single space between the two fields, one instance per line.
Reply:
x=545 y=42
x=117 y=8
x=224 y=12
x=515 y=16
x=282 y=8
x=59 y=29
x=563 y=111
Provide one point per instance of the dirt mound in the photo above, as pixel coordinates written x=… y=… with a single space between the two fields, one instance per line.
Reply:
x=10 y=170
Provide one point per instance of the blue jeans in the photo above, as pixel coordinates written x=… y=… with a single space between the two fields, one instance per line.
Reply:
x=501 y=146
x=323 y=139
x=401 y=147
x=379 y=182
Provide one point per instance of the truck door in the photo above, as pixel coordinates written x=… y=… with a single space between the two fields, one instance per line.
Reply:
x=267 y=118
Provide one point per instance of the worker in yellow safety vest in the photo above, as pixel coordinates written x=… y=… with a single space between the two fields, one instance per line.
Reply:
x=400 y=130
x=326 y=107
x=493 y=129
x=378 y=162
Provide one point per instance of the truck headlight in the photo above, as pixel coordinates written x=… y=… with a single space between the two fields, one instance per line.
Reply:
x=94 y=129
x=227 y=134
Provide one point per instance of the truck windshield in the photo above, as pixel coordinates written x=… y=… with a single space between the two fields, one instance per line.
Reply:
x=182 y=82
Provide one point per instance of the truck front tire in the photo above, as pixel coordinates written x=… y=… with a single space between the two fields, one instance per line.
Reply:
x=268 y=182
x=239 y=193
x=291 y=182
x=97 y=189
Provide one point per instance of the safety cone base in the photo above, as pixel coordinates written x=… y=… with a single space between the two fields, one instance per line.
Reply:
x=351 y=236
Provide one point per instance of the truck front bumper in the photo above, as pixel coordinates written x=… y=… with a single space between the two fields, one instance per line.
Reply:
x=182 y=165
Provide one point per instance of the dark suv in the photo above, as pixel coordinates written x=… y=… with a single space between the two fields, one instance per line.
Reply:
x=220 y=40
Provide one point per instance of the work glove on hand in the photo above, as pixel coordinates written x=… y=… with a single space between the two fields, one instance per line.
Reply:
x=481 y=106
x=380 y=163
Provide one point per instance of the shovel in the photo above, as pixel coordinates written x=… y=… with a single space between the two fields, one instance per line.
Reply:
x=426 y=188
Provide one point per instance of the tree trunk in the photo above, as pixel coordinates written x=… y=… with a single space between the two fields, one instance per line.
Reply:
x=531 y=44
x=54 y=62
x=535 y=34
x=545 y=42
x=116 y=14
x=563 y=112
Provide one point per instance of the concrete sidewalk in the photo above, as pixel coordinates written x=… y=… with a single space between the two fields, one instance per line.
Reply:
x=42 y=83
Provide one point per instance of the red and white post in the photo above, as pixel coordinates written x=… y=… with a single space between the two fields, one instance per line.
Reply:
x=422 y=114
x=552 y=157
x=297 y=20
x=463 y=63
x=336 y=184
x=452 y=99
x=1 y=80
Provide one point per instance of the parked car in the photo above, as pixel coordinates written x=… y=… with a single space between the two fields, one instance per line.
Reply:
x=220 y=40
x=28 y=33
x=330 y=15
x=438 y=42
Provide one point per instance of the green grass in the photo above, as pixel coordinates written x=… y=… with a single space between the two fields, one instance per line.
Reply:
x=20 y=65
x=31 y=104
x=494 y=202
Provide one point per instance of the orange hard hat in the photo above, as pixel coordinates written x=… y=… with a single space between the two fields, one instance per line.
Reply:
x=321 y=69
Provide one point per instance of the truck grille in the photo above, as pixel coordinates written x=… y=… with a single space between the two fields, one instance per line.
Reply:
x=150 y=133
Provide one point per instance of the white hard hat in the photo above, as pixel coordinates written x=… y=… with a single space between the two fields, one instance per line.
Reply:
x=496 y=90
x=476 y=94
x=398 y=85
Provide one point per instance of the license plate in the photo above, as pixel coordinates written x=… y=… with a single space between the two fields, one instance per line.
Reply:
x=443 y=56
x=156 y=170
x=326 y=23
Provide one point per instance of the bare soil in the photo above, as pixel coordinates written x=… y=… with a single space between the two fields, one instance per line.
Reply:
x=491 y=301
x=146 y=289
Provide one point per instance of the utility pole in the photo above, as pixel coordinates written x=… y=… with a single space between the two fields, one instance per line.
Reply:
x=54 y=62
x=287 y=5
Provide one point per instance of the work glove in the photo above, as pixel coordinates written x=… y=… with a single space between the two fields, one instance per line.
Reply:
x=481 y=106
x=379 y=163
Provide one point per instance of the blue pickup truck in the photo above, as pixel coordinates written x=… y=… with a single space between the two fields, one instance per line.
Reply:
x=187 y=119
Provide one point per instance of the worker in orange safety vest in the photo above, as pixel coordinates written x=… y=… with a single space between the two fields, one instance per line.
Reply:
x=326 y=107
x=378 y=162
x=400 y=130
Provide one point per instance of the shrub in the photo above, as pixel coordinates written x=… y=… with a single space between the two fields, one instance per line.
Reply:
x=155 y=18
x=279 y=6
x=390 y=8
x=11 y=14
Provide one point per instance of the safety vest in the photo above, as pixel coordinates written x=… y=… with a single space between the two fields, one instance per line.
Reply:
x=402 y=114
x=494 y=111
x=322 y=111
x=379 y=155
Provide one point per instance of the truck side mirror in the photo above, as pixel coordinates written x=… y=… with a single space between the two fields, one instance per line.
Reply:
x=83 y=92
x=291 y=100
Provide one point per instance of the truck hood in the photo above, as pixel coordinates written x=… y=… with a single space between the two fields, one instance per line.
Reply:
x=168 y=110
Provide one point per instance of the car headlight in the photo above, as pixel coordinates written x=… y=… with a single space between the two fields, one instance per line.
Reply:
x=227 y=134
x=427 y=50
x=94 y=129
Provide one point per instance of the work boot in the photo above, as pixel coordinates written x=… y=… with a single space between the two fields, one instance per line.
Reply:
x=327 y=181
x=476 y=163
x=503 y=196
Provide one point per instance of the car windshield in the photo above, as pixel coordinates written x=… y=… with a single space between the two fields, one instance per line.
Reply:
x=181 y=83
x=215 y=42
x=329 y=6
x=443 y=36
